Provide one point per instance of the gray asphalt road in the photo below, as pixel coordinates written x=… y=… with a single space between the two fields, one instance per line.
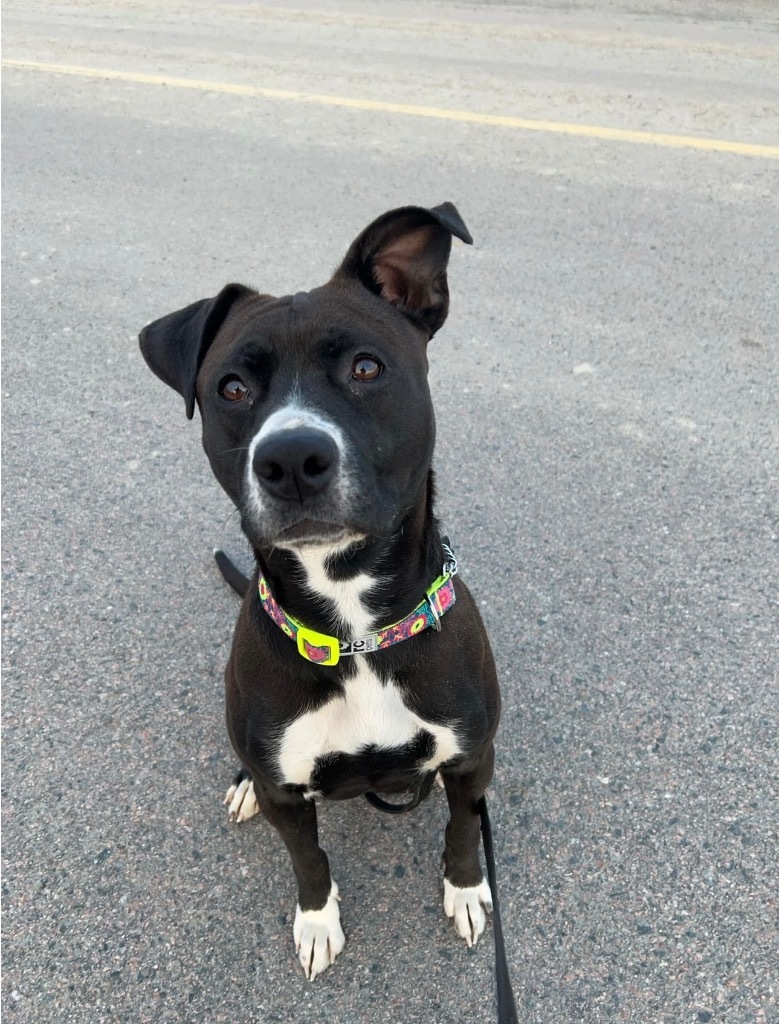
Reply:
x=606 y=392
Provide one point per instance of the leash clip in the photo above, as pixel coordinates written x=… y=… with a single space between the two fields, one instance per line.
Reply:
x=449 y=570
x=450 y=565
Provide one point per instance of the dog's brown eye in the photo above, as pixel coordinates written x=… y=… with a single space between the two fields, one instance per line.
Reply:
x=366 y=368
x=233 y=389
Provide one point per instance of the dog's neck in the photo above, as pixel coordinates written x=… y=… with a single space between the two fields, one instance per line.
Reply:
x=350 y=591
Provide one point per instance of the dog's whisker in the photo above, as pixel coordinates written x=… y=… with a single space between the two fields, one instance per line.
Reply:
x=233 y=512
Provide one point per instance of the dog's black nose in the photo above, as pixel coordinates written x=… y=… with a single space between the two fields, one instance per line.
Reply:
x=295 y=464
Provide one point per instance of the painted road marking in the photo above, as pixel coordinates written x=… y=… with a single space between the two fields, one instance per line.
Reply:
x=590 y=131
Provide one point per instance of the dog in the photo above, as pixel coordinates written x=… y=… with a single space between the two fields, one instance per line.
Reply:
x=359 y=664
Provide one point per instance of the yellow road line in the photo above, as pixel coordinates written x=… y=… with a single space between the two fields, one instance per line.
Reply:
x=589 y=131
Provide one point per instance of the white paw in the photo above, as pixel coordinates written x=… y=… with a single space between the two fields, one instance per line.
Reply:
x=466 y=907
x=319 y=937
x=242 y=801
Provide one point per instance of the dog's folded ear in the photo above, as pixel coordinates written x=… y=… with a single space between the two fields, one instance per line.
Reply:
x=402 y=257
x=175 y=345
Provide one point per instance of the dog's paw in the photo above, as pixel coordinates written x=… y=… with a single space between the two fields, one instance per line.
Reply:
x=319 y=937
x=241 y=799
x=466 y=907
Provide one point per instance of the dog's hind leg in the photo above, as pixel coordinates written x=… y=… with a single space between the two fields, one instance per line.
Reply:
x=241 y=797
x=466 y=891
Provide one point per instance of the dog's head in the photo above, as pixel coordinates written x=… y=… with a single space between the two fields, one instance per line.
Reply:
x=316 y=413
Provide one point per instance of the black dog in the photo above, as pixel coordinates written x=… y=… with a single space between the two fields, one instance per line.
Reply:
x=318 y=423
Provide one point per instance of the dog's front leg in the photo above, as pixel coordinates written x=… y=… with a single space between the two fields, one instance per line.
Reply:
x=466 y=890
x=318 y=935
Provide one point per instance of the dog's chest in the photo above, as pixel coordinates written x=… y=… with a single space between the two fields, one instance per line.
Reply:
x=367 y=730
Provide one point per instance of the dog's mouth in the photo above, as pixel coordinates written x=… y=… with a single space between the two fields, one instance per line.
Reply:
x=326 y=523
x=313 y=531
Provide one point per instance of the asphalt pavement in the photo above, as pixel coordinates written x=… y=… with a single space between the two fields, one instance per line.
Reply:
x=607 y=395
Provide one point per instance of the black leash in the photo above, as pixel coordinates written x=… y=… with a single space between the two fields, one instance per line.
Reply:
x=507 y=1010
x=420 y=793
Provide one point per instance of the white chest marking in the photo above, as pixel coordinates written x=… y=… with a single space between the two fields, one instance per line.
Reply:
x=346 y=595
x=368 y=713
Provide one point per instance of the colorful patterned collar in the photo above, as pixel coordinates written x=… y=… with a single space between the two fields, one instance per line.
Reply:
x=322 y=649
